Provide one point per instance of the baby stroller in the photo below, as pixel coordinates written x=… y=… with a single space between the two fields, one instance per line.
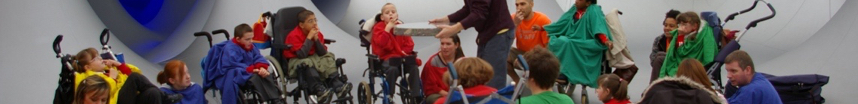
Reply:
x=507 y=95
x=366 y=89
x=714 y=70
x=247 y=95
x=283 y=22
x=65 y=91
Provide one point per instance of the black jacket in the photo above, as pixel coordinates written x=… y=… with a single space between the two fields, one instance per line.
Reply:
x=679 y=90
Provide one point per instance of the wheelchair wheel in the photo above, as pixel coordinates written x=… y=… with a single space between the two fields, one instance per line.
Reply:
x=364 y=93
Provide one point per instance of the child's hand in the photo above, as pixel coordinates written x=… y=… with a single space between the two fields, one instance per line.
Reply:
x=262 y=72
x=313 y=33
x=112 y=63
x=113 y=73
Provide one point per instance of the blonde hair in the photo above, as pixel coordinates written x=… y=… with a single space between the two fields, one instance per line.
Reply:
x=94 y=84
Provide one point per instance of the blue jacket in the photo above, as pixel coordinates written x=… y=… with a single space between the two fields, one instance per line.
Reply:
x=192 y=95
x=225 y=69
x=759 y=91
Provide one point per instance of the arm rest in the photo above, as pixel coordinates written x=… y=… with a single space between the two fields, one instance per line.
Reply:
x=329 y=41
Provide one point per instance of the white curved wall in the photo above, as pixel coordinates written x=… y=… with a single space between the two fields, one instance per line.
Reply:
x=787 y=40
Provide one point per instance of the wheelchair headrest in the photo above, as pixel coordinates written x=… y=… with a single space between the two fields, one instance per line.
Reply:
x=286 y=20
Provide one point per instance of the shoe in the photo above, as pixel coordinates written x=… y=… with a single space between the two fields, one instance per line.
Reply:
x=323 y=96
x=344 y=90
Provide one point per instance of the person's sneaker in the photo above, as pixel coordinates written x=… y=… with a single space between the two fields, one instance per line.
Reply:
x=344 y=90
x=172 y=98
x=323 y=96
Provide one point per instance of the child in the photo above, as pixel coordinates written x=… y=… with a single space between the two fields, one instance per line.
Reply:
x=92 y=90
x=395 y=51
x=612 y=89
x=544 y=69
x=135 y=88
x=175 y=75
x=473 y=74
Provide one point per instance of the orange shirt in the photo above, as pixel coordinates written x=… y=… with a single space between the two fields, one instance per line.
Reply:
x=526 y=37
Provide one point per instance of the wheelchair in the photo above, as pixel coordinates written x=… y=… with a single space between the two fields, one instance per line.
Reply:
x=366 y=89
x=565 y=87
x=507 y=95
x=284 y=21
x=247 y=93
x=64 y=93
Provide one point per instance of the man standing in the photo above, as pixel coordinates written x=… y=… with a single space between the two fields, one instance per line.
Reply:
x=495 y=32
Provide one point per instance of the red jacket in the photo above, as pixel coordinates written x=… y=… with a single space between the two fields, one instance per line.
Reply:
x=387 y=45
x=296 y=38
x=479 y=90
x=432 y=77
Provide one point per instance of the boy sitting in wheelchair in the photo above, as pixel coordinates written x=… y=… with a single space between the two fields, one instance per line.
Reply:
x=396 y=52
x=234 y=63
x=308 y=48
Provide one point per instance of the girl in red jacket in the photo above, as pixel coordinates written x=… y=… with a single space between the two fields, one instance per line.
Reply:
x=434 y=69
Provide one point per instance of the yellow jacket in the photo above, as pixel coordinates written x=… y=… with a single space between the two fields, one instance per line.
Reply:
x=115 y=84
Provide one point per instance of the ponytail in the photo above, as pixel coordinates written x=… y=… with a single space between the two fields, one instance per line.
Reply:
x=162 y=78
x=617 y=86
x=622 y=92
x=458 y=42
x=83 y=58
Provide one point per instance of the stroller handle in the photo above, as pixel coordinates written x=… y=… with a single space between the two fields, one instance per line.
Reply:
x=56 y=45
x=733 y=16
x=221 y=31
x=208 y=36
x=452 y=71
x=754 y=23
x=105 y=36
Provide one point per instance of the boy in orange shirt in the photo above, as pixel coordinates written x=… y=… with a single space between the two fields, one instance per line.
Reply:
x=528 y=33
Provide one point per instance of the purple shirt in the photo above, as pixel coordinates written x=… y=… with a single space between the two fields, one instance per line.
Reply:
x=487 y=16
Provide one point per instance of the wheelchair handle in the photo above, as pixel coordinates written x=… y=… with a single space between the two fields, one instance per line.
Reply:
x=733 y=16
x=523 y=63
x=105 y=36
x=266 y=14
x=754 y=23
x=208 y=36
x=56 y=45
x=452 y=71
x=221 y=31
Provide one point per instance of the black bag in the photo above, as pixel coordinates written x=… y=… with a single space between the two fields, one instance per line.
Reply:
x=800 y=89
x=794 y=89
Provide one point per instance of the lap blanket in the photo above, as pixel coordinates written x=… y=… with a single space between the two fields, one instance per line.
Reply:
x=574 y=42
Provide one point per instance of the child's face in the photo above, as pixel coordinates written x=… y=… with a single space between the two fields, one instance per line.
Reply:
x=389 y=13
x=309 y=23
x=604 y=94
x=184 y=79
x=96 y=64
x=93 y=98
x=246 y=39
